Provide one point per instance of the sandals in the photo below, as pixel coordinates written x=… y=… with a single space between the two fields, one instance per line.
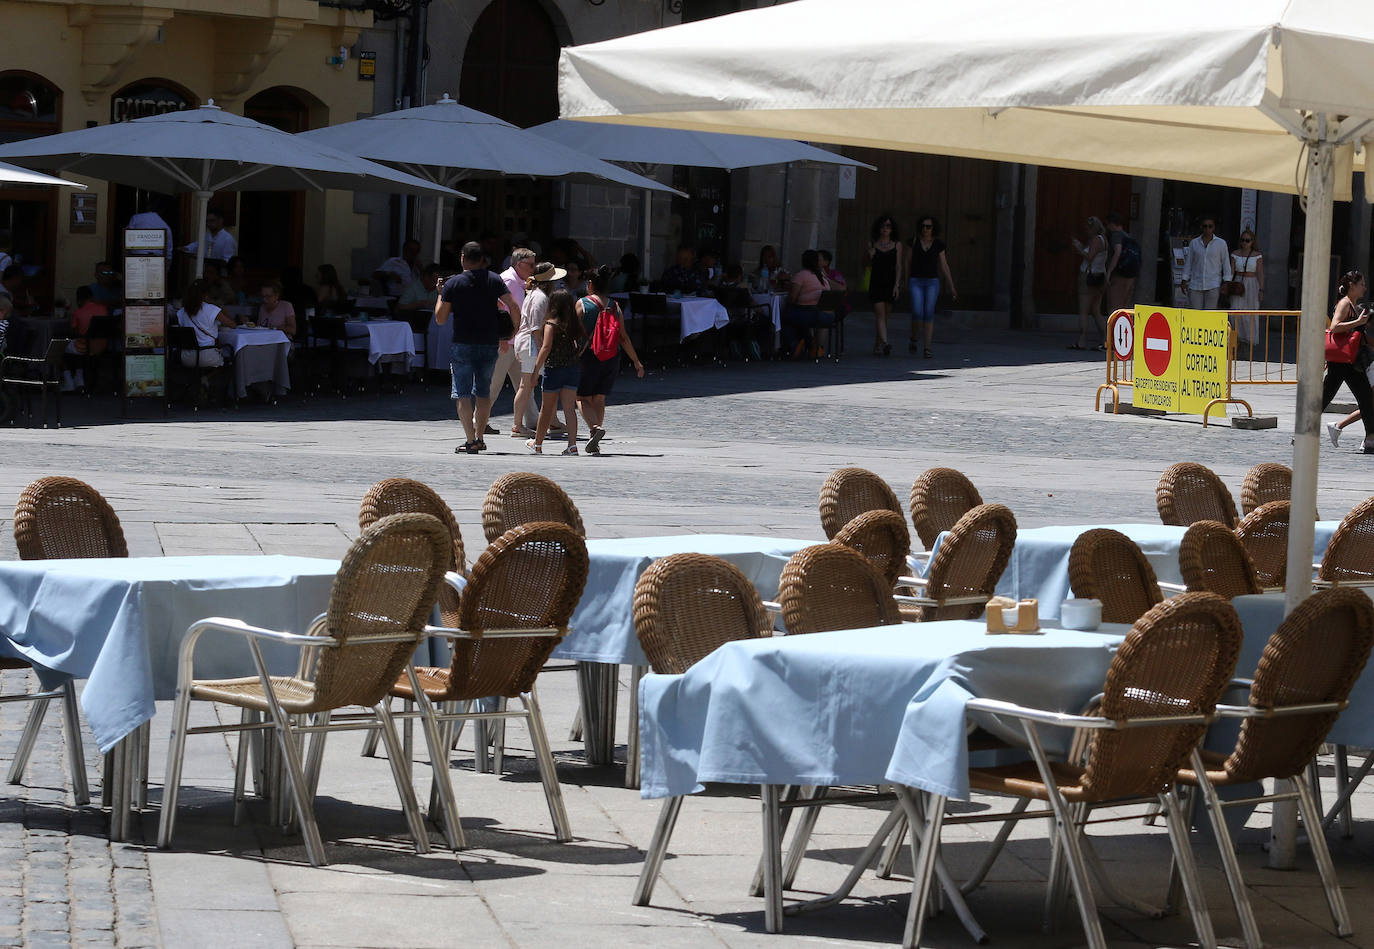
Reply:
x=535 y=446
x=521 y=431
x=469 y=448
x=594 y=443
x=570 y=450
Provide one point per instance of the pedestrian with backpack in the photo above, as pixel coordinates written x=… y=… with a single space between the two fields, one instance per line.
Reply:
x=1123 y=265
x=563 y=336
x=604 y=324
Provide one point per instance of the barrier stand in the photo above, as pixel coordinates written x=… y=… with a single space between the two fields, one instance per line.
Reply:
x=1274 y=342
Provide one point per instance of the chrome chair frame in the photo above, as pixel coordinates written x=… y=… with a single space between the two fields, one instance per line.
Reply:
x=71 y=721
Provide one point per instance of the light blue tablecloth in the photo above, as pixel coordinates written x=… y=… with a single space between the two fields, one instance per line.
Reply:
x=854 y=707
x=119 y=622
x=1039 y=565
x=603 y=624
x=1261 y=616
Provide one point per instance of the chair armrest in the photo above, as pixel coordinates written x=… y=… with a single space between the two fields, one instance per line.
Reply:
x=445 y=632
x=1172 y=587
x=221 y=624
x=947 y=601
x=456 y=581
x=1045 y=717
x=912 y=582
x=773 y=607
x=1280 y=711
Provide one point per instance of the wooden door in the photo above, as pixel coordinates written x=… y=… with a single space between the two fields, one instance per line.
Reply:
x=1064 y=200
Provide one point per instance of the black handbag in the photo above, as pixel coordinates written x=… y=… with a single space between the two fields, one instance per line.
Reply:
x=505 y=325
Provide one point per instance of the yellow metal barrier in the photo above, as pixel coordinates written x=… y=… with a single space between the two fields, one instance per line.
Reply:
x=1270 y=360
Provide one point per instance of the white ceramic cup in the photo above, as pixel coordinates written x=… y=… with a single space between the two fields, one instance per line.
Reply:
x=1081 y=614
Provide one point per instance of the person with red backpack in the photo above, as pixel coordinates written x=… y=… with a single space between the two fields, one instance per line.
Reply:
x=605 y=326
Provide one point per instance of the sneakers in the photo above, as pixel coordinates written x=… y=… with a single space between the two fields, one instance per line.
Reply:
x=1333 y=432
x=535 y=447
x=594 y=443
x=570 y=450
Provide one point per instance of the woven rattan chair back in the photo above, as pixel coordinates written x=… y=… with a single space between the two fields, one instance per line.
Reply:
x=687 y=605
x=66 y=519
x=1350 y=555
x=939 y=497
x=1212 y=559
x=1107 y=565
x=1189 y=492
x=883 y=538
x=1176 y=660
x=522 y=497
x=385 y=586
x=1265 y=482
x=1315 y=656
x=407 y=496
x=831 y=586
x=1264 y=532
x=970 y=561
x=531 y=577
x=849 y=492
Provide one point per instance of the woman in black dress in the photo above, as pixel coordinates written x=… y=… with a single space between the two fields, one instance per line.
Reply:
x=885 y=263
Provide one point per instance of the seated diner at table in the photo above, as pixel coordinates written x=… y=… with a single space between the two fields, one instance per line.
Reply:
x=682 y=276
x=802 y=314
x=421 y=293
x=330 y=295
x=205 y=318
x=276 y=313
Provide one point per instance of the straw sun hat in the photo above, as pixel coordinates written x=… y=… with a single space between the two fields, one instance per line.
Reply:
x=545 y=271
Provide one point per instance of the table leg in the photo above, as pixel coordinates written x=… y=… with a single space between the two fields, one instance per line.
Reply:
x=597 y=687
x=118 y=789
x=632 y=731
x=1283 y=830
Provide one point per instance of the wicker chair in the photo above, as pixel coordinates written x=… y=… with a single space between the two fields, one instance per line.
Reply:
x=381 y=598
x=687 y=605
x=849 y=492
x=1302 y=683
x=1349 y=557
x=60 y=519
x=1172 y=667
x=883 y=538
x=967 y=566
x=525 y=498
x=939 y=497
x=1264 y=532
x=1189 y=492
x=831 y=586
x=405 y=496
x=1107 y=565
x=1265 y=482
x=1212 y=559
x=514 y=610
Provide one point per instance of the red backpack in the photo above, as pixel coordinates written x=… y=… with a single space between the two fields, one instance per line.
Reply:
x=605 y=342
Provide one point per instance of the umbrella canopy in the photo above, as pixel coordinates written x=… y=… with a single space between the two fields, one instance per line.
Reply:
x=447 y=143
x=1273 y=94
x=12 y=174
x=644 y=146
x=207 y=150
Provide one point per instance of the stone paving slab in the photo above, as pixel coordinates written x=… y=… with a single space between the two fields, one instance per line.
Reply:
x=738 y=449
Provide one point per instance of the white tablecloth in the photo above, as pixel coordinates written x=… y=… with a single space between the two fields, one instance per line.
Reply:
x=382 y=338
x=1039 y=565
x=774 y=301
x=237 y=339
x=700 y=314
x=259 y=356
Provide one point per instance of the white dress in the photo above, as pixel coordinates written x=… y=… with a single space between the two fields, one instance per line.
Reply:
x=1246 y=269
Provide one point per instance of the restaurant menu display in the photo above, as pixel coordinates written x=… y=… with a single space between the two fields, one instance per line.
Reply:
x=145 y=309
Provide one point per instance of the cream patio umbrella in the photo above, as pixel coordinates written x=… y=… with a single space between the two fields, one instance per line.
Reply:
x=207 y=150
x=447 y=143
x=1271 y=94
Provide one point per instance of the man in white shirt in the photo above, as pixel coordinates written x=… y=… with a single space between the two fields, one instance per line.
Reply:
x=1207 y=266
x=152 y=221
x=219 y=243
x=507 y=363
x=398 y=273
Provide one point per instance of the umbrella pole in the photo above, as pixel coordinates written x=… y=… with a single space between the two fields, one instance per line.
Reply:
x=202 y=208
x=1306 y=428
x=438 y=225
x=644 y=234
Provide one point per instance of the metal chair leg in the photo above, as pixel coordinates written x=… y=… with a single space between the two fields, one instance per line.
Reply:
x=1192 y=883
x=1342 y=779
x=888 y=862
x=632 y=728
x=386 y=731
x=498 y=739
x=922 y=861
x=658 y=849
x=865 y=858
x=246 y=716
x=998 y=844
x=772 y=858
x=1239 y=897
x=299 y=785
x=38 y=709
x=543 y=755
x=315 y=753
x=1311 y=816
x=76 y=753
x=171 y=786
x=789 y=792
x=438 y=757
x=1347 y=788
x=806 y=823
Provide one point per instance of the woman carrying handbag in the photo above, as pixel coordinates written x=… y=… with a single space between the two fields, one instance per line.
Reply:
x=1344 y=342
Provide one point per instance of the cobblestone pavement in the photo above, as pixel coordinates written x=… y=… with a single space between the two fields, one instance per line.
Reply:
x=740 y=449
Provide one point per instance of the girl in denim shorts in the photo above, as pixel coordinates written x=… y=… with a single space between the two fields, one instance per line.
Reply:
x=564 y=337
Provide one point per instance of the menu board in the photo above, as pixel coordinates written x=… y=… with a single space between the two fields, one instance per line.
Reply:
x=145 y=278
x=145 y=375
x=144 y=327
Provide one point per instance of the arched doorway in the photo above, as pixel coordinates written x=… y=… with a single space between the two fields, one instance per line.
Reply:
x=510 y=70
x=271 y=224
x=30 y=106
x=137 y=100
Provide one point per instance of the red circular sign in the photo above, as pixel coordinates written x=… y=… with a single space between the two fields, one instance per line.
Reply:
x=1158 y=343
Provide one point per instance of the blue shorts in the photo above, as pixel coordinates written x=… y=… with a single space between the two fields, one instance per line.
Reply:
x=472 y=365
x=561 y=377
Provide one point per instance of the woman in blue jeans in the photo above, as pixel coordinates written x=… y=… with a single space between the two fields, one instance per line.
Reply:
x=928 y=264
